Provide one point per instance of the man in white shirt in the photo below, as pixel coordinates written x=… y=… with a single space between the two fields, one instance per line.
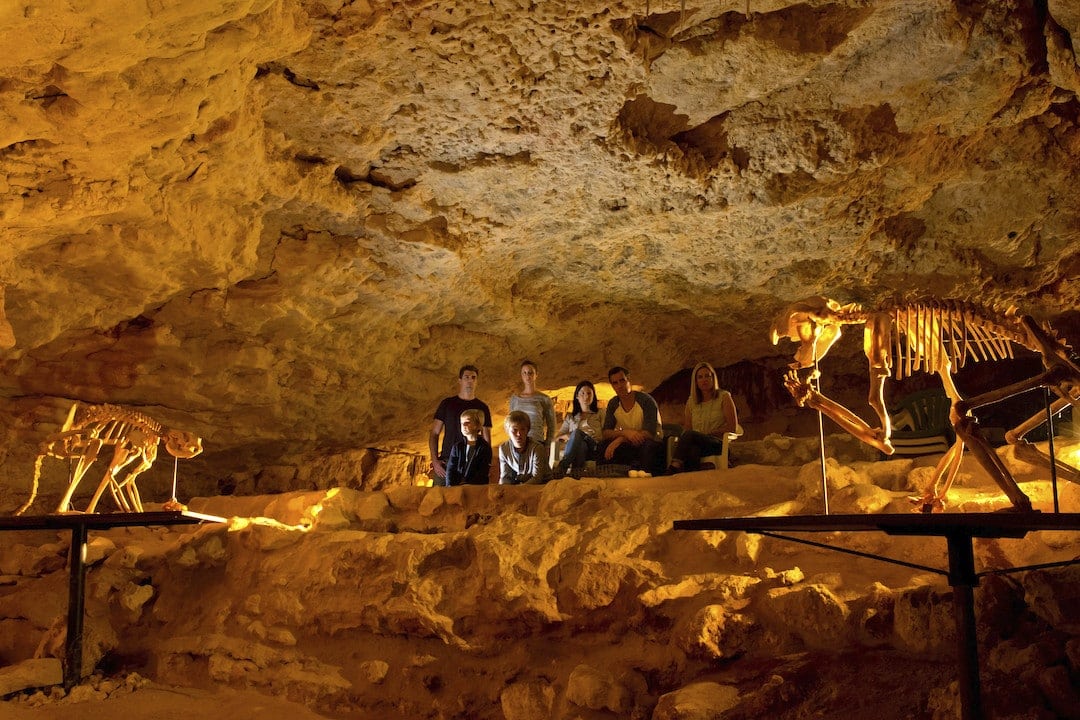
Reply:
x=632 y=426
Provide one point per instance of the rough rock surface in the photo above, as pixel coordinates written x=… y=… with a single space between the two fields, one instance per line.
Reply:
x=574 y=600
x=284 y=224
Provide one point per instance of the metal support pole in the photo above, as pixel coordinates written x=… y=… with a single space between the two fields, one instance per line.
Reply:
x=175 y=467
x=821 y=442
x=963 y=580
x=824 y=471
x=73 y=644
x=1050 y=447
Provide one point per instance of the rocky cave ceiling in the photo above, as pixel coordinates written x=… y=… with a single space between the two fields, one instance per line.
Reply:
x=290 y=221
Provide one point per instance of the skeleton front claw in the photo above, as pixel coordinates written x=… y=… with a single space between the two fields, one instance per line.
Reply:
x=801 y=390
x=927 y=503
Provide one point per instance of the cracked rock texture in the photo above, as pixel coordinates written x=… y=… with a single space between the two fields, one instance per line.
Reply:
x=577 y=600
x=284 y=224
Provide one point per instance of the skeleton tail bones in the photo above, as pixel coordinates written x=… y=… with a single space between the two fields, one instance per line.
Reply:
x=134 y=437
x=932 y=336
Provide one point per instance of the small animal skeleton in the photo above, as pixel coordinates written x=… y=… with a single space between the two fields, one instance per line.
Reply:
x=134 y=437
x=933 y=336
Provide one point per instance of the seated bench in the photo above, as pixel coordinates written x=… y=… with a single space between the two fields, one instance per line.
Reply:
x=921 y=423
x=719 y=462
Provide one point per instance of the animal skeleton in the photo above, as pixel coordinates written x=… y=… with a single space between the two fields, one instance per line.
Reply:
x=133 y=435
x=933 y=336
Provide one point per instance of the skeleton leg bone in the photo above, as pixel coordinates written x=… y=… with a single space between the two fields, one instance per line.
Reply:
x=128 y=485
x=947 y=468
x=121 y=457
x=133 y=493
x=877 y=341
x=944 y=474
x=1027 y=452
x=118 y=497
x=86 y=459
x=968 y=429
x=985 y=454
x=846 y=419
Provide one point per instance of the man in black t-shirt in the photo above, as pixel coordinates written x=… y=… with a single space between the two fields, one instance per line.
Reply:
x=448 y=419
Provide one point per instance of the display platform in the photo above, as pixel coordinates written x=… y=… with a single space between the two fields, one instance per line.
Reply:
x=104 y=521
x=959 y=531
x=981 y=525
x=80 y=524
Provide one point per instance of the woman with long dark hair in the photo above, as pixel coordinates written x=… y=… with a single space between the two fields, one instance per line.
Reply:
x=582 y=430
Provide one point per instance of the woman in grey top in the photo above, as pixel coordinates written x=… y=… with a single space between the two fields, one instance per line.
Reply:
x=535 y=404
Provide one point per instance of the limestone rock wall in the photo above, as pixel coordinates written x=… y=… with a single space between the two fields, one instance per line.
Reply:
x=285 y=224
x=573 y=600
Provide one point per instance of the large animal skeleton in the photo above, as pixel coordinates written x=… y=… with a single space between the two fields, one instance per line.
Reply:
x=134 y=437
x=933 y=336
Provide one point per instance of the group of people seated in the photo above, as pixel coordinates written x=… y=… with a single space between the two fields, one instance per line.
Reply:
x=629 y=432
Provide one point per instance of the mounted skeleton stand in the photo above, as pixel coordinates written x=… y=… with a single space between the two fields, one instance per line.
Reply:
x=134 y=438
x=933 y=336
x=821 y=437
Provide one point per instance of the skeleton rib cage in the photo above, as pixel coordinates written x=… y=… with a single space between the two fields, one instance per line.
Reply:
x=924 y=333
x=109 y=423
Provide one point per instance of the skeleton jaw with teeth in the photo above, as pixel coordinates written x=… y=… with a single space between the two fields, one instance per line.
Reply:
x=181 y=444
x=814 y=324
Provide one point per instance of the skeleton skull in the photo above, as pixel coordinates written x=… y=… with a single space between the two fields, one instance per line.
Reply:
x=812 y=323
x=181 y=444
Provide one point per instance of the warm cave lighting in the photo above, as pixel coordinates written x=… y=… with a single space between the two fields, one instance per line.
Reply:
x=312 y=513
x=1067 y=451
x=564 y=397
x=237 y=524
x=1069 y=437
x=1072 y=456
